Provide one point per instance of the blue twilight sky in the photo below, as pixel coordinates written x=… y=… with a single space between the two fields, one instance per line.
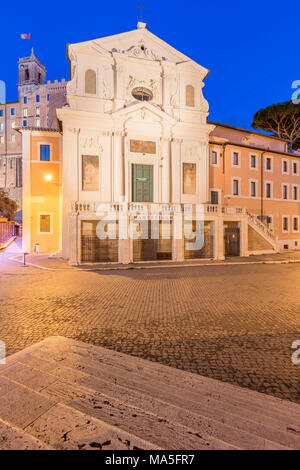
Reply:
x=252 y=48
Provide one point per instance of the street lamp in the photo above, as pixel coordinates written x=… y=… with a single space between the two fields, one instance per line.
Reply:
x=48 y=177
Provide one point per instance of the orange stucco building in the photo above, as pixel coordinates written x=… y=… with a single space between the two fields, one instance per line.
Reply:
x=41 y=190
x=255 y=171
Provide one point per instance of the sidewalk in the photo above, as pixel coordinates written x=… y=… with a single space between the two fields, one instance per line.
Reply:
x=52 y=263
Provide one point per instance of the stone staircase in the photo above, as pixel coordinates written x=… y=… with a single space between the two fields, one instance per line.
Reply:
x=64 y=394
x=263 y=231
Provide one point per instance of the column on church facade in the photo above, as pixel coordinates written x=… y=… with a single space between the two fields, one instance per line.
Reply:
x=166 y=170
x=175 y=171
x=118 y=166
x=218 y=238
x=178 y=237
x=74 y=249
x=71 y=185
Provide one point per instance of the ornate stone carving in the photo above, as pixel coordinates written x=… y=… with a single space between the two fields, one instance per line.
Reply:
x=142 y=51
x=107 y=83
x=92 y=142
x=150 y=83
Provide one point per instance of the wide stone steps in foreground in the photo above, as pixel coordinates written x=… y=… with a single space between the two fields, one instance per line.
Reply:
x=65 y=394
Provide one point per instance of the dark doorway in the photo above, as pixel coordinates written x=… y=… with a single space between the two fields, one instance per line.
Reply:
x=232 y=241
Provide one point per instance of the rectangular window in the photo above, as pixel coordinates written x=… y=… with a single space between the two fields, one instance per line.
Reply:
x=295 y=224
x=268 y=190
x=1 y=112
x=1 y=139
x=235 y=187
x=189 y=178
x=13 y=138
x=25 y=100
x=295 y=193
x=1 y=126
x=25 y=112
x=11 y=164
x=45 y=153
x=284 y=166
x=269 y=219
x=253 y=161
x=37 y=98
x=235 y=159
x=37 y=112
x=13 y=124
x=295 y=168
x=48 y=97
x=12 y=111
x=214 y=197
x=253 y=188
x=90 y=173
x=214 y=157
x=45 y=223
x=284 y=191
x=285 y=224
x=268 y=164
x=25 y=122
x=38 y=122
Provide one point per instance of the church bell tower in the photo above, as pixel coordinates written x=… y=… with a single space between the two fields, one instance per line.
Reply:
x=31 y=71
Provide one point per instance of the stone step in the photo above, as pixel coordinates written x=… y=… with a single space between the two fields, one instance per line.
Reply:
x=37 y=422
x=12 y=438
x=102 y=384
x=47 y=391
x=157 y=420
x=98 y=362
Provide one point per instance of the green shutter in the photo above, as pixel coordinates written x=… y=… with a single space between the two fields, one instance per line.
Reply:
x=142 y=183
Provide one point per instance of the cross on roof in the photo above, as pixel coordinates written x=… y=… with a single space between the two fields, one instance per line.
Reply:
x=141 y=7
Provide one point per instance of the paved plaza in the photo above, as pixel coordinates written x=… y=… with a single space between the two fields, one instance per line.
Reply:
x=232 y=323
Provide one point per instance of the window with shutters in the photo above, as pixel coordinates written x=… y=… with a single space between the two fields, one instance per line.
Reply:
x=45 y=223
x=45 y=153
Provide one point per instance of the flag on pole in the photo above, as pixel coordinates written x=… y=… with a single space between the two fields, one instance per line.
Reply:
x=25 y=36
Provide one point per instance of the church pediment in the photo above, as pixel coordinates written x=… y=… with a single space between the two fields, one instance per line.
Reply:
x=144 y=112
x=139 y=44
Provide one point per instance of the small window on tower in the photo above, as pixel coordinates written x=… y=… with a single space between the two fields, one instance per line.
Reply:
x=26 y=74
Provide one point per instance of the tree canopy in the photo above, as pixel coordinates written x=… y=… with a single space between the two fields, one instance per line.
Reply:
x=282 y=120
x=8 y=206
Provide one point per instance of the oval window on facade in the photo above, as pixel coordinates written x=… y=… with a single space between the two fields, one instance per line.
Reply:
x=142 y=94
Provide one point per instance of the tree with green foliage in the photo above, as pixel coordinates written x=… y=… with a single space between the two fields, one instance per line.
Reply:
x=282 y=120
x=8 y=206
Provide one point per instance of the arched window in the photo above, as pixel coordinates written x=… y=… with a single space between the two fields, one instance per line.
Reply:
x=90 y=81
x=190 y=96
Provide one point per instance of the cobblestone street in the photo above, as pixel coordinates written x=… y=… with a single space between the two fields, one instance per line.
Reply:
x=232 y=323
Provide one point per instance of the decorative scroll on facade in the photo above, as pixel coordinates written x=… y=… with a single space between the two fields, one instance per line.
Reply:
x=142 y=146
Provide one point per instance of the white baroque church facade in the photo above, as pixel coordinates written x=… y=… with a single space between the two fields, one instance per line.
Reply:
x=135 y=130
